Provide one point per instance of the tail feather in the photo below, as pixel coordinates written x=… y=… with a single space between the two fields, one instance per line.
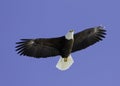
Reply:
x=65 y=64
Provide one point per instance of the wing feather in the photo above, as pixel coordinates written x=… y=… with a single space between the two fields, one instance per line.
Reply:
x=39 y=48
x=88 y=37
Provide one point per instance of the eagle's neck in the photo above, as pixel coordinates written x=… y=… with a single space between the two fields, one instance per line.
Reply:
x=70 y=35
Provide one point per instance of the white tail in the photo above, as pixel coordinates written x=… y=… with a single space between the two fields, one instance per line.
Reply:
x=64 y=65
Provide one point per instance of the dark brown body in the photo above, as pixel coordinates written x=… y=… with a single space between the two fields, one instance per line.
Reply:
x=67 y=48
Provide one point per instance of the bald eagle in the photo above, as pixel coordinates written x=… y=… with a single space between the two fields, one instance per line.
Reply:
x=63 y=46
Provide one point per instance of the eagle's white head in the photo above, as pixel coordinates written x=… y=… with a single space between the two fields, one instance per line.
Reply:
x=70 y=35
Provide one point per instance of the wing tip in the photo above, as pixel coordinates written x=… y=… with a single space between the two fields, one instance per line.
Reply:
x=20 y=46
x=100 y=30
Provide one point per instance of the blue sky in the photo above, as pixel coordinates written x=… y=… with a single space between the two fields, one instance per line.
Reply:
x=97 y=65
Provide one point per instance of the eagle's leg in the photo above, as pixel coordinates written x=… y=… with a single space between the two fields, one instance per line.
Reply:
x=65 y=59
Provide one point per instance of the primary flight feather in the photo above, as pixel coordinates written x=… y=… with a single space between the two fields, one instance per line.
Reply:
x=63 y=46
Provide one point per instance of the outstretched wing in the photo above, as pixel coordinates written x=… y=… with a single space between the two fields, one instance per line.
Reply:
x=88 y=37
x=39 y=48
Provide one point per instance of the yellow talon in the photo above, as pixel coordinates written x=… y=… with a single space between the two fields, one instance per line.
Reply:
x=65 y=59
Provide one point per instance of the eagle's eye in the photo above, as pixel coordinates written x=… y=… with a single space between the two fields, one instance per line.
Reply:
x=71 y=31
